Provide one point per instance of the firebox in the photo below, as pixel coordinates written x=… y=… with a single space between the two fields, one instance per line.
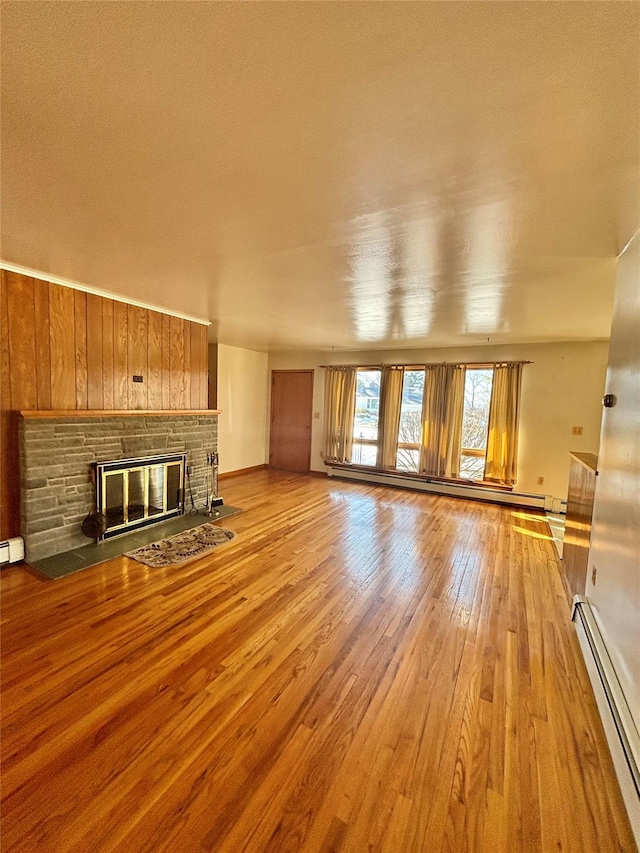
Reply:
x=133 y=493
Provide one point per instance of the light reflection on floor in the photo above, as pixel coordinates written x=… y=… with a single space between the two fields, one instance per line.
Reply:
x=397 y=533
x=531 y=533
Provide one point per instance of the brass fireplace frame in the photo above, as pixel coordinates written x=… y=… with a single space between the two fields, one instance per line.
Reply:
x=164 y=472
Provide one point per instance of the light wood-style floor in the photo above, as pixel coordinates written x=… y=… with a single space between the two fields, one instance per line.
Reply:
x=362 y=669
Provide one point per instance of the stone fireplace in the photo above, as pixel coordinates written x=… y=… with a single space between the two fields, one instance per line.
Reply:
x=60 y=455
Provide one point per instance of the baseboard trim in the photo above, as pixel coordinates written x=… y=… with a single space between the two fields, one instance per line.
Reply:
x=621 y=733
x=240 y=471
x=439 y=487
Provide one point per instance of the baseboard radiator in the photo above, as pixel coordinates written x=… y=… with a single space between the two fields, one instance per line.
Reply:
x=622 y=734
x=11 y=550
x=460 y=490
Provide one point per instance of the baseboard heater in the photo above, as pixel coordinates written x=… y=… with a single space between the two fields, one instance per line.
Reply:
x=459 y=490
x=11 y=550
x=620 y=730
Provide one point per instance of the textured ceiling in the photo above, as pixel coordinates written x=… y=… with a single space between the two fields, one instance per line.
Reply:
x=328 y=174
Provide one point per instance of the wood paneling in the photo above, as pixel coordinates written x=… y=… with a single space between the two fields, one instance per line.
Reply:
x=108 y=363
x=120 y=355
x=362 y=669
x=138 y=357
x=43 y=343
x=62 y=338
x=195 y=366
x=22 y=341
x=186 y=370
x=166 y=361
x=95 y=352
x=199 y=366
x=154 y=384
x=66 y=350
x=9 y=457
x=176 y=373
x=80 y=307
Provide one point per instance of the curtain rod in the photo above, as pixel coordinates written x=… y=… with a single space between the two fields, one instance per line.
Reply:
x=428 y=364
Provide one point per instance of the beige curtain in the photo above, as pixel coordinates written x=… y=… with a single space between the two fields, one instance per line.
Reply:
x=339 y=412
x=504 y=415
x=455 y=413
x=389 y=415
x=442 y=411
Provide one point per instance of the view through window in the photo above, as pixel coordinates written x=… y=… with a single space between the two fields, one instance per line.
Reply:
x=365 y=425
x=475 y=422
x=477 y=397
x=410 y=421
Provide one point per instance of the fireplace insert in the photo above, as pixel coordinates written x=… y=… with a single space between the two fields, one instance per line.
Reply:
x=133 y=493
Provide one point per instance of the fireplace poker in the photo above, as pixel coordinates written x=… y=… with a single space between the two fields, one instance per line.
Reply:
x=213 y=501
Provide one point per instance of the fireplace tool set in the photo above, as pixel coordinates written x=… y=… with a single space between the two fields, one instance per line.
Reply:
x=132 y=493
x=213 y=501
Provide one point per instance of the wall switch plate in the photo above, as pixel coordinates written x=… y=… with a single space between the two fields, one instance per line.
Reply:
x=540 y=481
x=594 y=574
x=576 y=430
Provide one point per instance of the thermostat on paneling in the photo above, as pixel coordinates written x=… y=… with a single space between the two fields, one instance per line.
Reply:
x=138 y=378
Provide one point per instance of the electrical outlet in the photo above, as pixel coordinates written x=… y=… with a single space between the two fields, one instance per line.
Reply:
x=594 y=573
x=541 y=481
x=576 y=430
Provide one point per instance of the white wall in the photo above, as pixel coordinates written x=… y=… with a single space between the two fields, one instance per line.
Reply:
x=243 y=398
x=561 y=389
x=615 y=535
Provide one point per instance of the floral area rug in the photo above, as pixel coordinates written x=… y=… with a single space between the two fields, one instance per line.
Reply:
x=182 y=547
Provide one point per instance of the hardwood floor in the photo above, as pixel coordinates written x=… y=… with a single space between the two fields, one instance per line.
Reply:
x=361 y=669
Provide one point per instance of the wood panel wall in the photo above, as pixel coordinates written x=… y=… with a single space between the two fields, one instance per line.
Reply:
x=65 y=349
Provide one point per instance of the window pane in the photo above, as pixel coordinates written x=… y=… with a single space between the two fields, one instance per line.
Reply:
x=411 y=408
x=407 y=459
x=174 y=490
x=365 y=424
x=156 y=489
x=114 y=499
x=364 y=454
x=136 y=495
x=477 y=396
x=472 y=467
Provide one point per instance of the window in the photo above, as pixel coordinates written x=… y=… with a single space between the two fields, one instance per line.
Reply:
x=410 y=421
x=475 y=421
x=365 y=424
x=444 y=436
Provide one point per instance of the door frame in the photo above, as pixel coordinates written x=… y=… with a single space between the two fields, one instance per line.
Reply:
x=311 y=372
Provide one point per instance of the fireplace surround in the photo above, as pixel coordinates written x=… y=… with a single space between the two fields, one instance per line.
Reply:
x=58 y=452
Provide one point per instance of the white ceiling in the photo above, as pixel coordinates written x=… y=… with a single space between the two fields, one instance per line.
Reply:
x=355 y=175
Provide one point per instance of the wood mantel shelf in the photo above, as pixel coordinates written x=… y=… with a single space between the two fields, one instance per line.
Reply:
x=114 y=413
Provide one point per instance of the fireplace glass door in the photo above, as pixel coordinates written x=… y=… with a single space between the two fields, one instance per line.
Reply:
x=135 y=492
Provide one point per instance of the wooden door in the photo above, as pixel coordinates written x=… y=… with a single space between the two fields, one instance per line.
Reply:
x=291 y=405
